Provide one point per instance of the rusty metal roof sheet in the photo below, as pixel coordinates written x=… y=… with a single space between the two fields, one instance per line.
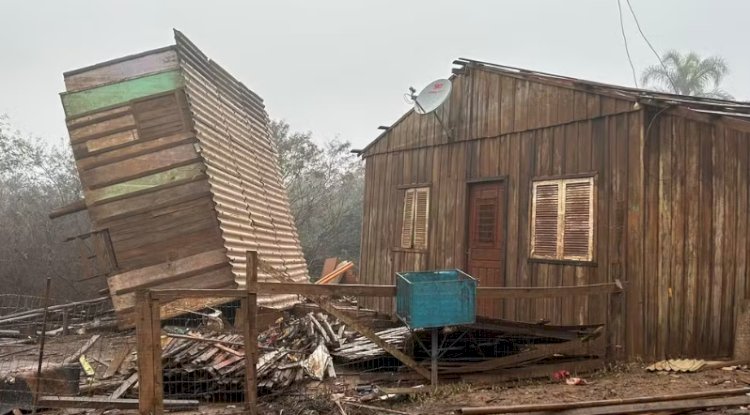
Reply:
x=231 y=125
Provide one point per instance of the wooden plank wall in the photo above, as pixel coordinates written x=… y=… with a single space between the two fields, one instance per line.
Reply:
x=145 y=184
x=518 y=130
x=695 y=261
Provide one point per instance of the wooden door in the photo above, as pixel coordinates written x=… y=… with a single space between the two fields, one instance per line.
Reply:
x=486 y=241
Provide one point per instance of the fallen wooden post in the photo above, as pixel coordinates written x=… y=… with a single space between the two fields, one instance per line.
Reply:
x=377 y=409
x=105 y=402
x=683 y=405
x=567 y=407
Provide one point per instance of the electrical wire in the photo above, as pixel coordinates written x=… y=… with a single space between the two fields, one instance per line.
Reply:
x=625 y=39
x=643 y=35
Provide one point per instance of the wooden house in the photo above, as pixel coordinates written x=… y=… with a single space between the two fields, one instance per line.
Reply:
x=539 y=180
x=180 y=177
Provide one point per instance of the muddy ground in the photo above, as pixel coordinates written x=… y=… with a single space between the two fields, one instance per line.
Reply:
x=620 y=382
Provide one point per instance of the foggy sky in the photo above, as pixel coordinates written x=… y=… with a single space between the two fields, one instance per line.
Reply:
x=340 y=68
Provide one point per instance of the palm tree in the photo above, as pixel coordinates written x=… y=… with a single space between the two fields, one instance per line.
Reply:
x=688 y=75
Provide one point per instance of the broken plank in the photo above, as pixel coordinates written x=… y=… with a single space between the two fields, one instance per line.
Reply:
x=377 y=409
x=116 y=362
x=205 y=340
x=130 y=381
x=83 y=349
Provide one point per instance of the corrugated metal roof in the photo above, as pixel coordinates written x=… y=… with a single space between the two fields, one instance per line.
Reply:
x=231 y=125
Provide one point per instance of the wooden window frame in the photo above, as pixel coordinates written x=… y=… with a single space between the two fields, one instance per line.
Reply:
x=562 y=180
x=400 y=246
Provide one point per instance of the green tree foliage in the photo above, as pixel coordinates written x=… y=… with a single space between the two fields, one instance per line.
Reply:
x=35 y=178
x=325 y=183
x=688 y=74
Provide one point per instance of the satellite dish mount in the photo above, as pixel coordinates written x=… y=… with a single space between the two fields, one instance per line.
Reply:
x=431 y=98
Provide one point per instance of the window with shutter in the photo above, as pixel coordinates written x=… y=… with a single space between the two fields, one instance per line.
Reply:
x=545 y=221
x=415 y=218
x=421 y=217
x=578 y=210
x=562 y=223
x=407 y=223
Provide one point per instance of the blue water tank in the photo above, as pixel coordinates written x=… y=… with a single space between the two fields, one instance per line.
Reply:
x=426 y=299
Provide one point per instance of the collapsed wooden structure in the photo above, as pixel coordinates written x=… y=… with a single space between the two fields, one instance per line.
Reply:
x=530 y=179
x=180 y=177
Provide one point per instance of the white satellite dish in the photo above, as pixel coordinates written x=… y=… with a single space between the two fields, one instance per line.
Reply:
x=432 y=96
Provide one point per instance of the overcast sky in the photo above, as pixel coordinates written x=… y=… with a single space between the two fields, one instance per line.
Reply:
x=340 y=68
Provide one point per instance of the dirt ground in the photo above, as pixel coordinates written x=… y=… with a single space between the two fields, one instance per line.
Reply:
x=620 y=382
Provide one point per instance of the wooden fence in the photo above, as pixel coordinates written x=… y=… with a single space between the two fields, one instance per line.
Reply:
x=148 y=323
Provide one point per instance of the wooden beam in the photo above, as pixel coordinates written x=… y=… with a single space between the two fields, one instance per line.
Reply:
x=661 y=406
x=68 y=209
x=365 y=290
x=566 y=406
x=148 y=343
x=306 y=289
x=155 y=337
x=250 y=333
x=167 y=294
x=547 y=292
x=104 y=402
x=145 y=353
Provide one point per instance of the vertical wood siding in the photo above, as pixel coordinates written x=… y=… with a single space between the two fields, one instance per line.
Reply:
x=670 y=209
x=520 y=130
x=696 y=249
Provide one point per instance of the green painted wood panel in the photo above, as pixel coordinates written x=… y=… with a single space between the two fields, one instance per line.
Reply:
x=76 y=103
x=147 y=182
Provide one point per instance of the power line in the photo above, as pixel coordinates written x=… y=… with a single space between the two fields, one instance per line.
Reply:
x=638 y=25
x=625 y=39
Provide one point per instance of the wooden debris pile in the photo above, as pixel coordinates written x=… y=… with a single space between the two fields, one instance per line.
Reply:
x=208 y=366
x=361 y=348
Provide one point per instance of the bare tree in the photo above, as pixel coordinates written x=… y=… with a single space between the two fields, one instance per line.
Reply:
x=325 y=184
x=36 y=177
